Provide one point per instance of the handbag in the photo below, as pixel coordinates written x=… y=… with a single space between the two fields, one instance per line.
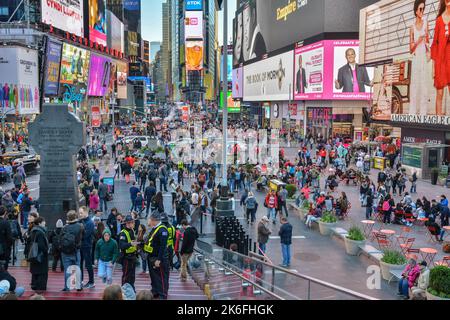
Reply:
x=33 y=254
x=109 y=197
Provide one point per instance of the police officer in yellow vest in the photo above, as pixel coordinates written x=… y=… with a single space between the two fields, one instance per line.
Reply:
x=128 y=248
x=170 y=239
x=158 y=260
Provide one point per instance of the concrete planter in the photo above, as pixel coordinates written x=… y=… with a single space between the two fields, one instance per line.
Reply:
x=387 y=267
x=352 y=246
x=302 y=213
x=433 y=297
x=325 y=228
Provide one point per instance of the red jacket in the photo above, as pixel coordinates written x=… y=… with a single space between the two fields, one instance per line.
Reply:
x=271 y=201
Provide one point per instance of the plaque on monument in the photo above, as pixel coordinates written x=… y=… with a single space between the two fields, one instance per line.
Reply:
x=57 y=135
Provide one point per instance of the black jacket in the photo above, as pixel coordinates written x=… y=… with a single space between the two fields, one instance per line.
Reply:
x=77 y=229
x=38 y=234
x=111 y=223
x=285 y=233
x=6 y=239
x=149 y=193
x=124 y=244
x=189 y=237
x=159 y=243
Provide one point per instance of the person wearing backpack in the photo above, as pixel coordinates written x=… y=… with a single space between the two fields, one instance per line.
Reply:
x=86 y=247
x=152 y=175
x=55 y=240
x=252 y=206
x=16 y=233
x=70 y=249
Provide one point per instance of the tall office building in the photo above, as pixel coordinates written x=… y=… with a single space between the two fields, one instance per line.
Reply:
x=175 y=84
x=163 y=86
x=155 y=46
x=116 y=7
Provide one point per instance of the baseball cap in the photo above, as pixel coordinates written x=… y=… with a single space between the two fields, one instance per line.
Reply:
x=128 y=219
x=156 y=216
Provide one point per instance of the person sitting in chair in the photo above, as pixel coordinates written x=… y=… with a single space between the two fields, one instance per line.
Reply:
x=434 y=229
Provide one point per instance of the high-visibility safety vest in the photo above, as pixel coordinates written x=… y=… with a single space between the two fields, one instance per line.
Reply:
x=170 y=239
x=148 y=247
x=131 y=249
x=180 y=165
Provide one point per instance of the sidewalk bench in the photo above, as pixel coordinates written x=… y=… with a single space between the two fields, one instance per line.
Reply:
x=340 y=232
x=395 y=275
x=371 y=252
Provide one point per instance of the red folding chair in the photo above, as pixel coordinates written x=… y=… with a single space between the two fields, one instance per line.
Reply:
x=403 y=236
x=412 y=253
x=432 y=232
x=383 y=241
x=373 y=234
x=444 y=262
x=409 y=217
x=407 y=245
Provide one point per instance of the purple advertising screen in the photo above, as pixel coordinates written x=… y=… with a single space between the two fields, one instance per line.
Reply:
x=51 y=79
x=238 y=83
x=327 y=69
x=99 y=74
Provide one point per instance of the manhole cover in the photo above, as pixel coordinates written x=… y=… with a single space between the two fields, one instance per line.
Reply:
x=307 y=256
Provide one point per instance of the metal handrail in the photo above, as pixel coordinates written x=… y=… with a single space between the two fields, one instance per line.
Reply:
x=239 y=275
x=305 y=277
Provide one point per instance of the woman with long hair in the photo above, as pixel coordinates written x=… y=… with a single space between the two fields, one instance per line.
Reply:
x=440 y=53
x=158 y=202
x=419 y=47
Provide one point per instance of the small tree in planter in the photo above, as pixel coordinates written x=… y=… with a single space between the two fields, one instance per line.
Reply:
x=392 y=260
x=291 y=189
x=326 y=223
x=439 y=287
x=353 y=240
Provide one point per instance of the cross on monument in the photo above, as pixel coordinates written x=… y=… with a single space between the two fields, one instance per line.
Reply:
x=57 y=135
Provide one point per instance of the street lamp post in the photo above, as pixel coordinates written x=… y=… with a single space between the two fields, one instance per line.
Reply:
x=289 y=117
x=225 y=93
x=112 y=102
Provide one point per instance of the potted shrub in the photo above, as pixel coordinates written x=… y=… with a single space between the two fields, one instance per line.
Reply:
x=434 y=175
x=326 y=223
x=291 y=189
x=439 y=287
x=392 y=260
x=353 y=240
x=304 y=209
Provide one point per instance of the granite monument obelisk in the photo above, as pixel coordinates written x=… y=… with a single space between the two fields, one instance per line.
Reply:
x=57 y=135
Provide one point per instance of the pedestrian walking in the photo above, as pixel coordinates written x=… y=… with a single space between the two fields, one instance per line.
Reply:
x=86 y=247
x=190 y=235
x=271 y=203
x=133 y=195
x=106 y=253
x=251 y=207
x=103 y=195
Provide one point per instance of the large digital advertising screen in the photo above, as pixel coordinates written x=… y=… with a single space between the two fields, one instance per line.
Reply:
x=261 y=27
x=194 y=55
x=269 y=79
x=97 y=21
x=122 y=74
x=52 y=67
x=74 y=73
x=413 y=85
x=19 y=80
x=194 y=5
x=99 y=75
x=238 y=83
x=193 y=23
x=330 y=70
x=116 y=31
x=66 y=15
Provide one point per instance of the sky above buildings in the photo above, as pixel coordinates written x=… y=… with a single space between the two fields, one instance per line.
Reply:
x=152 y=20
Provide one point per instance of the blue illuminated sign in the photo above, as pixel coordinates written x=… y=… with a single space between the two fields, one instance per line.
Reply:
x=194 y=5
